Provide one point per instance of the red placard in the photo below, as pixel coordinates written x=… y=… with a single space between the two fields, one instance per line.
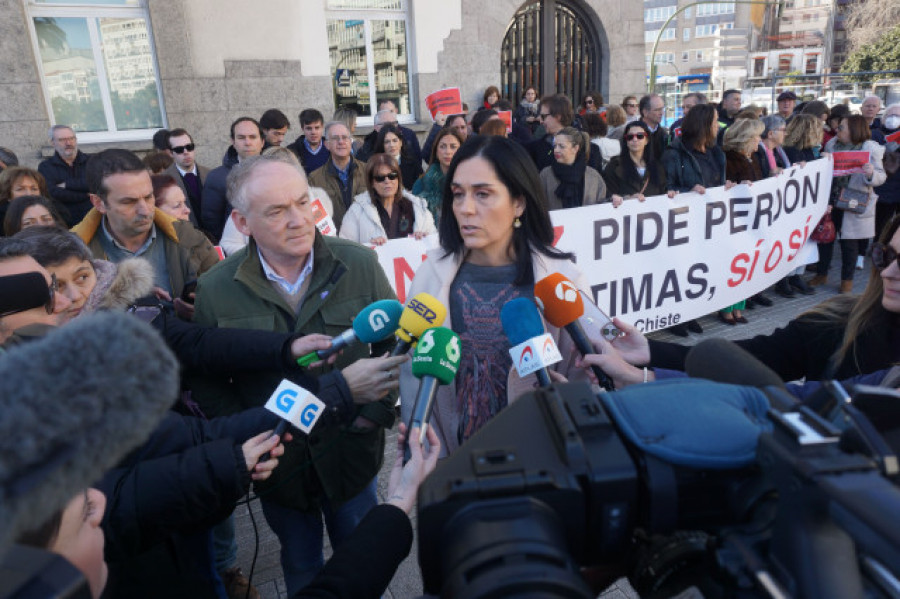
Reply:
x=849 y=163
x=895 y=137
x=506 y=117
x=446 y=100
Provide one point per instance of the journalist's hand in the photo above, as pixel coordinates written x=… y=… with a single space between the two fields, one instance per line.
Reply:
x=256 y=447
x=370 y=379
x=310 y=343
x=405 y=480
x=632 y=346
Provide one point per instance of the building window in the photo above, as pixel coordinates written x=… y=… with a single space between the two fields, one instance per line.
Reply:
x=685 y=56
x=707 y=30
x=368 y=44
x=662 y=13
x=812 y=64
x=687 y=12
x=686 y=34
x=784 y=64
x=650 y=36
x=715 y=8
x=98 y=67
x=759 y=67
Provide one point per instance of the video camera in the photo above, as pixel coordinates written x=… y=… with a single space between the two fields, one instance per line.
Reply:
x=564 y=480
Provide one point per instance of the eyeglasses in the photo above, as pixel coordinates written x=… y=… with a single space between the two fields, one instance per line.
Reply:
x=49 y=306
x=630 y=105
x=383 y=178
x=181 y=149
x=339 y=138
x=589 y=101
x=545 y=115
x=883 y=255
x=389 y=124
x=631 y=136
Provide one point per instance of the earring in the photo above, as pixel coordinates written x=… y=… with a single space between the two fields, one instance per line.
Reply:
x=517 y=223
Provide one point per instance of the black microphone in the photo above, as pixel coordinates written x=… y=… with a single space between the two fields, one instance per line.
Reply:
x=74 y=403
x=723 y=361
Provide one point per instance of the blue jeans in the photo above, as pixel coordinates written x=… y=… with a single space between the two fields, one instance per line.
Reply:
x=224 y=544
x=300 y=534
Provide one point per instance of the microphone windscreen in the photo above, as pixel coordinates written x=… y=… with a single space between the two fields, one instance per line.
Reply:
x=437 y=354
x=722 y=361
x=422 y=312
x=521 y=320
x=72 y=405
x=560 y=299
x=378 y=321
x=22 y=292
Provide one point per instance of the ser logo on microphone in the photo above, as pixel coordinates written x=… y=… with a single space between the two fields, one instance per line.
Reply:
x=422 y=310
x=567 y=292
x=378 y=319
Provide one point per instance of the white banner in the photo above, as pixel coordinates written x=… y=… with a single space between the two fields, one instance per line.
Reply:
x=663 y=261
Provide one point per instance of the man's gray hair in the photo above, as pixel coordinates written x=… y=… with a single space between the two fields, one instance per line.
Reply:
x=772 y=122
x=56 y=128
x=701 y=97
x=240 y=175
x=379 y=116
x=331 y=124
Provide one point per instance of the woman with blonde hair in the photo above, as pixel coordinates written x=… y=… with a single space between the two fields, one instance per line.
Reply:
x=569 y=182
x=803 y=138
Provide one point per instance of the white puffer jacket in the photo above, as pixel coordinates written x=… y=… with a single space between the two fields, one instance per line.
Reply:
x=362 y=224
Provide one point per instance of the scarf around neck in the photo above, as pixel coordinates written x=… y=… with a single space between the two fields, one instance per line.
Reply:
x=570 y=190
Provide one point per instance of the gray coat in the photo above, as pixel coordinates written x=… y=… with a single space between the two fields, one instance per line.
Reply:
x=862 y=226
x=594 y=188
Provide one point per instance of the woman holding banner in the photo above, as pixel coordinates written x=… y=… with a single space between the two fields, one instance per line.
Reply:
x=569 y=182
x=390 y=142
x=386 y=210
x=430 y=186
x=694 y=162
x=853 y=134
x=496 y=242
x=635 y=173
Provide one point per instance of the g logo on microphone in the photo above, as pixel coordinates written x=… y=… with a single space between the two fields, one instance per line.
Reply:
x=567 y=292
x=378 y=319
x=308 y=415
x=285 y=400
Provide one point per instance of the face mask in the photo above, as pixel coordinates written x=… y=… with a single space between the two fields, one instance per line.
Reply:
x=892 y=122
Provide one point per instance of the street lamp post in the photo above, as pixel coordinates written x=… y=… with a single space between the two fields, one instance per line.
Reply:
x=652 y=82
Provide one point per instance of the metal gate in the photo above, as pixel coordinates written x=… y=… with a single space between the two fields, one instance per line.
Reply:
x=553 y=46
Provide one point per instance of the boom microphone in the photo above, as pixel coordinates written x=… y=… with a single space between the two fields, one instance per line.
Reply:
x=563 y=306
x=523 y=326
x=73 y=404
x=434 y=363
x=375 y=323
x=423 y=311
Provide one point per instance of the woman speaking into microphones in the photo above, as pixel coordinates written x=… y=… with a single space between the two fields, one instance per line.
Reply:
x=496 y=242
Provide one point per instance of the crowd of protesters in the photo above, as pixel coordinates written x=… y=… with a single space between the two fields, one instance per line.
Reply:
x=112 y=231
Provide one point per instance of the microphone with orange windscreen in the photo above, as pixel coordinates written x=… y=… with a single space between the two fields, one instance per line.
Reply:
x=562 y=305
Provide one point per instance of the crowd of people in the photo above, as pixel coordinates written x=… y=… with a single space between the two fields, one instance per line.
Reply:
x=114 y=232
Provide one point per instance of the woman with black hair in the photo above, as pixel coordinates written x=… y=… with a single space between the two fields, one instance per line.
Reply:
x=29 y=211
x=496 y=242
x=390 y=142
x=694 y=162
x=569 y=182
x=635 y=173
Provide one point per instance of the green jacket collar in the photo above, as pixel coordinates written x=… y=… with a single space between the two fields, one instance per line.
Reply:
x=328 y=270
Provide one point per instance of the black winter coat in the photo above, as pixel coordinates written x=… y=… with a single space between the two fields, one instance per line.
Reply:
x=74 y=196
x=804 y=348
x=683 y=170
x=163 y=498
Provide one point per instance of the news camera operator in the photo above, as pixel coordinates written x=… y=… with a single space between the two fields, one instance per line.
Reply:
x=496 y=242
x=48 y=511
x=840 y=338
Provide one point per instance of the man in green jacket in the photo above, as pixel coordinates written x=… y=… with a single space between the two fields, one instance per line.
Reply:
x=291 y=278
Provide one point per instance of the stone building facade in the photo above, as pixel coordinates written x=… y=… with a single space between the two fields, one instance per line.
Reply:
x=217 y=60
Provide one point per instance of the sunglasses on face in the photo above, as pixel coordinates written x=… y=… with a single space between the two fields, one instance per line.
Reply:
x=181 y=149
x=631 y=105
x=631 y=136
x=588 y=101
x=383 y=178
x=883 y=255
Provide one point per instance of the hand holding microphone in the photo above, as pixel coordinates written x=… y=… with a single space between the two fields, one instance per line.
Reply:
x=563 y=306
x=296 y=407
x=375 y=323
x=533 y=348
x=423 y=311
x=434 y=363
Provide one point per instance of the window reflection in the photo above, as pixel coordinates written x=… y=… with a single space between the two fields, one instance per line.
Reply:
x=128 y=60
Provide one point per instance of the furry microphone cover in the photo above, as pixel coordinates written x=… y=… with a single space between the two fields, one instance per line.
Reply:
x=71 y=406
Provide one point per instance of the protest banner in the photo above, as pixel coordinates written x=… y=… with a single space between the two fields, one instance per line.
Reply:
x=849 y=163
x=324 y=223
x=894 y=137
x=506 y=117
x=663 y=261
x=446 y=100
